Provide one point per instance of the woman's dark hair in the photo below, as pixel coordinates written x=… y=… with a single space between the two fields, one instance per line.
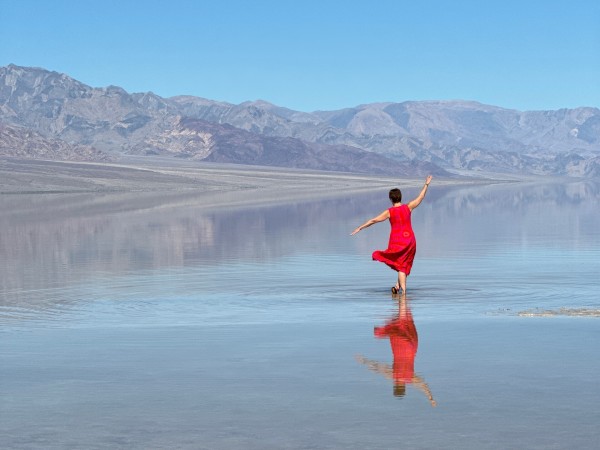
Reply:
x=399 y=390
x=395 y=195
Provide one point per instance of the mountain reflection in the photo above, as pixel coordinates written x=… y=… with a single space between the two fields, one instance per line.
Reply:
x=56 y=241
x=404 y=340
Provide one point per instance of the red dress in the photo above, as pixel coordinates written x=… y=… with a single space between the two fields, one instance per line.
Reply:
x=402 y=245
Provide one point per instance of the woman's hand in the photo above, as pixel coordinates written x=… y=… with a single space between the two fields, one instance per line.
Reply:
x=428 y=179
x=356 y=230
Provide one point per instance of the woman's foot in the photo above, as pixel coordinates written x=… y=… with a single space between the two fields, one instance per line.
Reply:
x=395 y=290
x=401 y=284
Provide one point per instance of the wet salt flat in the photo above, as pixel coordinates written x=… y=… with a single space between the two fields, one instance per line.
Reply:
x=182 y=326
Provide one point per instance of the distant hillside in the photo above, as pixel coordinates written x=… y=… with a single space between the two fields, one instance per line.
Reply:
x=202 y=140
x=19 y=142
x=409 y=138
x=60 y=109
x=456 y=135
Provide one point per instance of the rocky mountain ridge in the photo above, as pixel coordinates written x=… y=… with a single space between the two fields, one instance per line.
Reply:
x=393 y=138
x=19 y=142
x=456 y=135
x=114 y=122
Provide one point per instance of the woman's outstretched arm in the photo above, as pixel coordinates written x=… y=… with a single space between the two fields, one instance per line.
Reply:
x=384 y=369
x=417 y=201
x=419 y=383
x=380 y=218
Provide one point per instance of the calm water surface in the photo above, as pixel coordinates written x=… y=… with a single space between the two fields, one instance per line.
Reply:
x=129 y=324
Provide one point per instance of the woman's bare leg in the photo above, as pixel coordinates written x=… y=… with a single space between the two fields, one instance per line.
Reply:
x=402 y=281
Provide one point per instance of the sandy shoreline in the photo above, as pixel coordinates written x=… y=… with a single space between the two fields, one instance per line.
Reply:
x=208 y=184
x=561 y=312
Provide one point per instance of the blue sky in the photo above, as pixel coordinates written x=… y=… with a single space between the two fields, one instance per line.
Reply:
x=318 y=55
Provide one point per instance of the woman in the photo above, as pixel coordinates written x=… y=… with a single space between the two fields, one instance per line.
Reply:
x=402 y=245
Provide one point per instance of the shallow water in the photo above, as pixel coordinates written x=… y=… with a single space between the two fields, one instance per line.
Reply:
x=171 y=325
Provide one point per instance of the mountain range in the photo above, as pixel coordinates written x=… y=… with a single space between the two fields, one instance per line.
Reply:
x=48 y=115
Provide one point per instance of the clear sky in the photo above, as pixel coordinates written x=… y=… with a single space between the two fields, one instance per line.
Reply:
x=318 y=55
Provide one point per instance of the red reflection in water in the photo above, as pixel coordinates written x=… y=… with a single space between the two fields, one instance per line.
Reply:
x=404 y=340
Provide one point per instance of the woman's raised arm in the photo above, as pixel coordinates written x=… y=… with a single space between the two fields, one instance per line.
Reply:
x=417 y=201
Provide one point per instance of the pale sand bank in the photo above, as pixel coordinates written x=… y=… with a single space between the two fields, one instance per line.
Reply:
x=562 y=312
x=209 y=184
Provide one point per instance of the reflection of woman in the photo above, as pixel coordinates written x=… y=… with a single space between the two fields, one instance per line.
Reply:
x=402 y=245
x=404 y=341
